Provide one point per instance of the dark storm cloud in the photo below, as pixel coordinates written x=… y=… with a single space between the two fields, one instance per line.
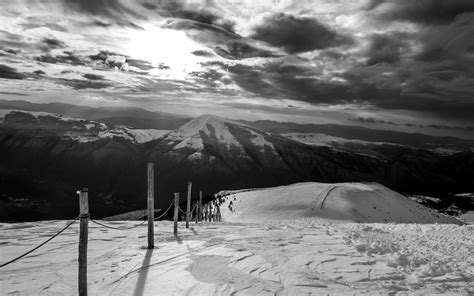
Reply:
x=12 y=50
x=409 y=124
x=224 y=43
x=7 y=72
x=117 y=22
x=443 y=126
x=208 y=78
x=140 y=64
x=66 y=58
x=203 y=53
x=178 y=9
x=451 y=42
x=297 y=34
x=299 y=83
x=102 y=24
x=333 y=54
x=93 y=76
x=210 y=74
x=252 y=80
x=17 y=42
x=53 y=43
x=112 y=10
x=108 y=8
x=11 y=93
x=422 y=11
x=387 y=48
x=372 y=120
x=239 y=49
x=83 y=84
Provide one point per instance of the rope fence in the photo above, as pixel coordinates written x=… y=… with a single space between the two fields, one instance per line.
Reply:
x=84 y=217
x=40 y=245
x=118 y=228
x=135 y=226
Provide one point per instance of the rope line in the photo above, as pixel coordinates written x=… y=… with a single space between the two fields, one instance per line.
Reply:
x=171 y=204
x=118 y=228
x=40 y=245
x=135 y=226
x=182 y=212
x=192 y=211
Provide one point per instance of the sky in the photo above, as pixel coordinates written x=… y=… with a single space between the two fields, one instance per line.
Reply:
x=403 y=65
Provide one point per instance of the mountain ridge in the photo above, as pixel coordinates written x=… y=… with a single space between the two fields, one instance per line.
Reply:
x=41 y=169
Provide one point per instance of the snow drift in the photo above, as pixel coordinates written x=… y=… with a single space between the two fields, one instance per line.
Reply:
x=359 y=202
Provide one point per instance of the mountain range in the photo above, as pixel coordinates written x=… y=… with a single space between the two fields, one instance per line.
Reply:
x=47 y=157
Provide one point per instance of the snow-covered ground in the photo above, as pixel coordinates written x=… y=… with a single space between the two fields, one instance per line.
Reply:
x=299 y=243
x=294 y=257
x=356 y=202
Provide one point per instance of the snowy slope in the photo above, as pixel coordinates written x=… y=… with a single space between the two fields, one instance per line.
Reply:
x=365 y=147
x=75 y=129
x=217 y=129
x=327 y=140
x=209 y=136
x=304 y=257
x=357 y=202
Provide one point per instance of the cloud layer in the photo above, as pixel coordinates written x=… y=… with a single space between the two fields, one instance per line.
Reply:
x=391 y=61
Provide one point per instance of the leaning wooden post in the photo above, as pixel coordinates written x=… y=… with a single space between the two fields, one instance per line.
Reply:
x=188 y=204
x=83 y=233
x=176 y=205
x=151 y=207
x=200 y=205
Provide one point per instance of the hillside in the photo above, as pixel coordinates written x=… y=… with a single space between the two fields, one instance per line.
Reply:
x=47 y=157
x=355 y=202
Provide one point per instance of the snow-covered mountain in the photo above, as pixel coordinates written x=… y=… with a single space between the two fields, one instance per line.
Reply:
x=210 y=136
x=236 y=154
x=74 y=129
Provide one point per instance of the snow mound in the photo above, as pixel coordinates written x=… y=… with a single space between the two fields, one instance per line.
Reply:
x=358 y=202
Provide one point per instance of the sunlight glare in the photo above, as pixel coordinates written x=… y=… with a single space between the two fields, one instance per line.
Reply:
x=167 y=47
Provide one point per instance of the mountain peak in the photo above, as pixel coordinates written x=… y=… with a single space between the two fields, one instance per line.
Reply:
x=202 y=123
x=220 y=133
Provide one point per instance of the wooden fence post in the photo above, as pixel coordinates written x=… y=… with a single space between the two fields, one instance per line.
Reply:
x=151 y=206
x=188 y=204
x=200 y=205
x=176 y=205
x=83 y=233
x=211 y=212
x=196 y=215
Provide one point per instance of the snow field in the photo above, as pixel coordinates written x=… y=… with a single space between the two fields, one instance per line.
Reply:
x=291 y=257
